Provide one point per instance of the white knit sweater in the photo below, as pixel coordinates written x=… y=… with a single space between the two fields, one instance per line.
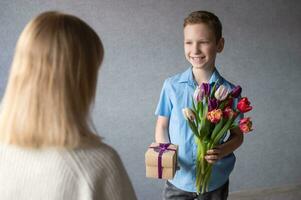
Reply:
x=52 y=174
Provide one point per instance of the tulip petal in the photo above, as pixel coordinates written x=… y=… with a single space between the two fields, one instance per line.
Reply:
x=236 y=91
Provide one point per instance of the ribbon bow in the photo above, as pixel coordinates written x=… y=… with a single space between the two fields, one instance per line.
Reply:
x=161 y=149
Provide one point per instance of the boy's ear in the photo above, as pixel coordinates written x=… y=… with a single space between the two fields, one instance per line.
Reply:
x=220 y=45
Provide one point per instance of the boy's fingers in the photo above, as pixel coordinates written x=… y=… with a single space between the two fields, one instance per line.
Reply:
x=211 y=157
x=211 y=161
x=213 y=151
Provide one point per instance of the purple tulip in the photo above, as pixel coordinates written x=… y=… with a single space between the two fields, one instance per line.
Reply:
x=205 y=89
x=212 y=104
x=236 y=92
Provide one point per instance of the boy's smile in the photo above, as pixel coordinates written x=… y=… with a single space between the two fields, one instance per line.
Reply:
x=200 y=46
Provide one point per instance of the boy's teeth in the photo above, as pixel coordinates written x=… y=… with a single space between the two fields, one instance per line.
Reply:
x=196 y=58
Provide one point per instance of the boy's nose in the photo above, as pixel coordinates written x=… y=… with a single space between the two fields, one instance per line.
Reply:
x=196 y=49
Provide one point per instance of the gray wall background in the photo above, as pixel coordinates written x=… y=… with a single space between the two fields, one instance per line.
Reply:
x=143 y=46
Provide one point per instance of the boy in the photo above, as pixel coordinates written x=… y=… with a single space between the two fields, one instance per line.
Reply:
x=202 y=41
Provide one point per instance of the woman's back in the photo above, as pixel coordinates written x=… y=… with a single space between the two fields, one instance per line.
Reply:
x=49 y=148
x=85 y=173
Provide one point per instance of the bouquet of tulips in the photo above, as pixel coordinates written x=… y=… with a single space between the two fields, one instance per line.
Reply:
x=211 y=116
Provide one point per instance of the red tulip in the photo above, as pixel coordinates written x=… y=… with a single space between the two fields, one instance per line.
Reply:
x=244 y=105
x=229 y=113
x=245 y=125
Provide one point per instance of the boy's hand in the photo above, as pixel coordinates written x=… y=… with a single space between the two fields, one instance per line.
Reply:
x=222 y=150
x=234 y=141
x=213 y=155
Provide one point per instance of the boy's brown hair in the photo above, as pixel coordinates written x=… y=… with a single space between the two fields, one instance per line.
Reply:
x=205 y=17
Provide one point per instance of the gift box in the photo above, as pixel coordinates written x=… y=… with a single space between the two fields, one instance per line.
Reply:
x=161 y=160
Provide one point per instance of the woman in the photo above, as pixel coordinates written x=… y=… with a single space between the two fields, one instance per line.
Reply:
x=48 y=149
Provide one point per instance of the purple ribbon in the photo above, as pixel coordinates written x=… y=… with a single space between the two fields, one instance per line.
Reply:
x=161 y=149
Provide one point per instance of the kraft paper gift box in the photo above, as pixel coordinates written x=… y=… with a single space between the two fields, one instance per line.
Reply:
x=161 y=160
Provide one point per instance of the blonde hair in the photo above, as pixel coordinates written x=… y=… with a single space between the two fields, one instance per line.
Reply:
x=52 y=83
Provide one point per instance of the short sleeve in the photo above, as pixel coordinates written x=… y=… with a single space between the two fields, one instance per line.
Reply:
x=164 y=105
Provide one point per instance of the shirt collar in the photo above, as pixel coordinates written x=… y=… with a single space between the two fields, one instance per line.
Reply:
x=187 y=77
x=216 y=77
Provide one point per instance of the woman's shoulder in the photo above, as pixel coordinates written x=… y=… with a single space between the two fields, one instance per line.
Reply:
x=102 y=169
x=92 y=162
x=96 y=155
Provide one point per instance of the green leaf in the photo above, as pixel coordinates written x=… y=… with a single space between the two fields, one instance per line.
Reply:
x=222 y=105
x=198 y=120
x=193 y=128
x=205 y=110
x=193 y=106
x=222 y=132
x=201 y=107
x=233 y=126
x=213 y=89
x=203 y=128
x=217 y=128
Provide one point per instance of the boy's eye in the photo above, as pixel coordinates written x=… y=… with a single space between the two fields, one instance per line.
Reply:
x=188 y=42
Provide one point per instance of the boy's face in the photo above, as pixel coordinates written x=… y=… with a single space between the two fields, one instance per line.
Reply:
x=200 y=46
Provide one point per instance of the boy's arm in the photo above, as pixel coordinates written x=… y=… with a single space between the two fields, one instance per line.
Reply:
x=161 y=133
x=234 y=141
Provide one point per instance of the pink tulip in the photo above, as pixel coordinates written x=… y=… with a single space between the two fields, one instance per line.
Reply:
x=245 y=125
x=198 y=95
x=221 y=93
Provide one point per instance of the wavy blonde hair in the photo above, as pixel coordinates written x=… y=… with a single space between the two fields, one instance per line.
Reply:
x=52 y=83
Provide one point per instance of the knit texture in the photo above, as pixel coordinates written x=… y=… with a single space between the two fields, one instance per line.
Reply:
x=59 y=174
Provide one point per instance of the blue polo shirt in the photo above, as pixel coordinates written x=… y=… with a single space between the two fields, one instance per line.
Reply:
x=177 y=94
